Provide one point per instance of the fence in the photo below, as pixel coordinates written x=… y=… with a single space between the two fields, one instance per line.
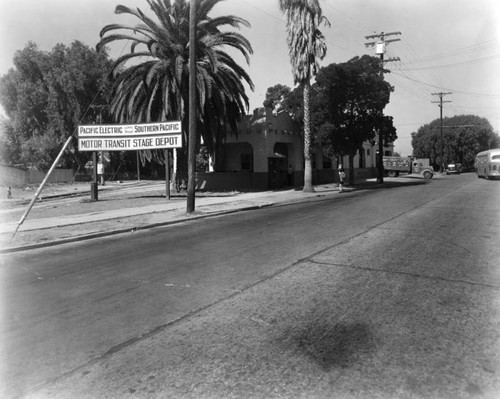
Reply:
x=20 y=177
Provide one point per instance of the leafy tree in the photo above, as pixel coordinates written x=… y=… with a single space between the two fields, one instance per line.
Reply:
x=150 y=83
x=347 y=107
x=10 y=148
x=463 y=137
x=282 y=98
x=306 y=45
x=45 y=96
x=275 y=97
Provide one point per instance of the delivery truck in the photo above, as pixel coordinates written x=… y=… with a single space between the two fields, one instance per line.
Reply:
x=393 y=166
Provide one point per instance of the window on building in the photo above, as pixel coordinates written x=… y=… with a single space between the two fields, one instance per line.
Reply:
x=246 y=162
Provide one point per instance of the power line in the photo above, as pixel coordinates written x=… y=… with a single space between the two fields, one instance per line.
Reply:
x=348 y=16
x=442 y=88
x=421 y=76
x=458 y=52
x=261 y=10
x=455 y=64
x=281 y=20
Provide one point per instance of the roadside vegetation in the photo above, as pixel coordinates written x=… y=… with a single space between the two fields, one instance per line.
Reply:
x=462 y=137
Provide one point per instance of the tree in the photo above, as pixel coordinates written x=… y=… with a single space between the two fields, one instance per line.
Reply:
x=282 y=98
x=150 y=83
x=464 y=136
x=306 y=44
x=45 y=96
x=275 y=97
x=346 y=107
x=10 y=148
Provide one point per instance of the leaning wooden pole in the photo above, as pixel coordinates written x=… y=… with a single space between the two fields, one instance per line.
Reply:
x=192 y=109
x=33 y=200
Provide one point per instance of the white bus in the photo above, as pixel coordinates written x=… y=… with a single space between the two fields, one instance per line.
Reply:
x=488 y=164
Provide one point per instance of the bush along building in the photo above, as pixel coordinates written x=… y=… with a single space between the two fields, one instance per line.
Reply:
x=267 y=154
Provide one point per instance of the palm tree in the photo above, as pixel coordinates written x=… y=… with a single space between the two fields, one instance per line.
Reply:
x=150 y=83
x=306 y=44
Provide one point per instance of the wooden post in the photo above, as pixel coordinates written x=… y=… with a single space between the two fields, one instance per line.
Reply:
x=167 y=174
x=192 y=109
x=138 y=170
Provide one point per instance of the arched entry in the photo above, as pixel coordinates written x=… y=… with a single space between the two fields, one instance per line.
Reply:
x=278 y=166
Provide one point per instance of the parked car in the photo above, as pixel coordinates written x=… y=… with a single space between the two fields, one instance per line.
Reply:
x=453 y=168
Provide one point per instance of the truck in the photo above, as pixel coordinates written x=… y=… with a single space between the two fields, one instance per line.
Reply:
x=393 y=166
x=453 y=168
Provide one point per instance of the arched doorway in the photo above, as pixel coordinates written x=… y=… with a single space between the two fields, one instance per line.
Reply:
x=278 y=166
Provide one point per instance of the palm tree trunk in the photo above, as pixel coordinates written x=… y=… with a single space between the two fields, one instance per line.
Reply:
x=308 y=187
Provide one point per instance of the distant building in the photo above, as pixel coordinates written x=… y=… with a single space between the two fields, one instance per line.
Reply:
x=266 y=147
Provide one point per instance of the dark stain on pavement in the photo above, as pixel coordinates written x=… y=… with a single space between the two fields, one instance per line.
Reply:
x=333 y=346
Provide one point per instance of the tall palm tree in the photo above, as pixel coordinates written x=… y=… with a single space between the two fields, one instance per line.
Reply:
x=306 y=44
x=150 y=83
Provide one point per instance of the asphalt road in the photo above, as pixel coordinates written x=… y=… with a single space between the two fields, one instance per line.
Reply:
x=378 y=293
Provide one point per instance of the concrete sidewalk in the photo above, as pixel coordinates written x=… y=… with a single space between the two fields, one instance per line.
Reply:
x=106 y=219
x=52 y=230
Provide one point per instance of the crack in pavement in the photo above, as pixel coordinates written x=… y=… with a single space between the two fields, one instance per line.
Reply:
x=310 y=258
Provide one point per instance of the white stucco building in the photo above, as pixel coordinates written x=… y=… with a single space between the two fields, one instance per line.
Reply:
x=267 y=146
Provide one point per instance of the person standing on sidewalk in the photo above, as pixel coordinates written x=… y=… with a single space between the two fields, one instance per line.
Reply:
x=100 y=172
x=341 y=178
x=103 y=159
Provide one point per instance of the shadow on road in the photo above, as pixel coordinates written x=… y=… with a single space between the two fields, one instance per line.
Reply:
x=332 y=346
x=391 y=184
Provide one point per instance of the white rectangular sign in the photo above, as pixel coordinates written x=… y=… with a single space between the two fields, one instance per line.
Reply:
x=145 y=136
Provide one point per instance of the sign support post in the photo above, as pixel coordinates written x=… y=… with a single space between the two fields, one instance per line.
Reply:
x=94 y=196
x=138 y=166
x=167 y=174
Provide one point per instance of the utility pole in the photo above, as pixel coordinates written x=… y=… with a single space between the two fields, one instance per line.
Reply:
x=380 y=46
x=94 y=191
x=440 y=102
x=192 y=109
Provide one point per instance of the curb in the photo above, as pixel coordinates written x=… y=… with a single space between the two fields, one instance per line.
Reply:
x=128 y=230
x=315 y=195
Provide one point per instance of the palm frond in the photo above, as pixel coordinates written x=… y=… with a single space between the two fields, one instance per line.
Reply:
x=156 y=89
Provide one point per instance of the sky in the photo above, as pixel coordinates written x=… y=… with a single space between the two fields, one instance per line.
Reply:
x=445 y=46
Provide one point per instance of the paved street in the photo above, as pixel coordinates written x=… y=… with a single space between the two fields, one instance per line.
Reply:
x=389 y=293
